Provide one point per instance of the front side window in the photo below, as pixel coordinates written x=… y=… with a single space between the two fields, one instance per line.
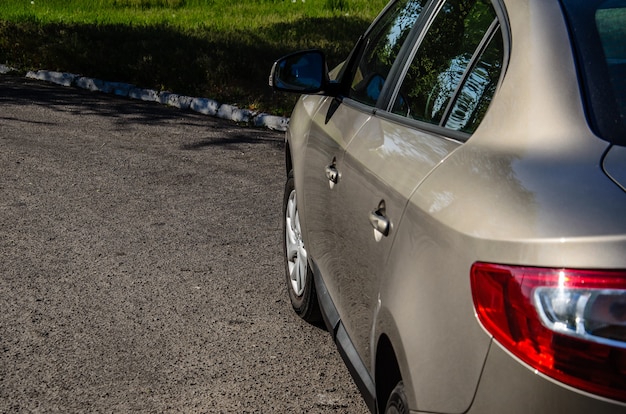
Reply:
x=381 y=49
x=453 y=76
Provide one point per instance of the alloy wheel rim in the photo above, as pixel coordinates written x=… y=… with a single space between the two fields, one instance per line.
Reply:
x=295 y=251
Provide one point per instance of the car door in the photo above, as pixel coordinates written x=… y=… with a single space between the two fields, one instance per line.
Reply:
x=380 y=170
x=337 y=122
x=435 y=107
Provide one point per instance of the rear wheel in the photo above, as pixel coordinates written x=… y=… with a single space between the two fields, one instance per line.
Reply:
x=397 y=403
x=300 y=284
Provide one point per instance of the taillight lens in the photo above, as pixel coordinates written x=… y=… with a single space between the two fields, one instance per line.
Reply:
x=567 y=324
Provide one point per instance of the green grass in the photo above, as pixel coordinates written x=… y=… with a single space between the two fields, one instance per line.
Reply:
x=215 y=48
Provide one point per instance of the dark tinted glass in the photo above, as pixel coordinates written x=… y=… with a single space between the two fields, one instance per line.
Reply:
x=301 y=71
x=381 y=49
x=442 y=60
x=475 y=95
x=599 y=37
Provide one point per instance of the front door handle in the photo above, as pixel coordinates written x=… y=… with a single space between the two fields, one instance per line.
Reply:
x=380 y=222
x=332 y=174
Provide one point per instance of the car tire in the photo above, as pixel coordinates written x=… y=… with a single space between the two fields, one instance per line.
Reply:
x=300 y=283
x=397 y=403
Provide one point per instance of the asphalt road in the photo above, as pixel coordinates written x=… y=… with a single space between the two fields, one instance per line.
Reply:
x=141 y=266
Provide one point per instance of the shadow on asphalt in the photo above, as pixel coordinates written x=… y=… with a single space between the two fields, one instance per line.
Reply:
x=128 y=111
x=233 y=140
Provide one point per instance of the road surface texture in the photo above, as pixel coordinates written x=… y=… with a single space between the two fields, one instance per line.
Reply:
x=141 y=265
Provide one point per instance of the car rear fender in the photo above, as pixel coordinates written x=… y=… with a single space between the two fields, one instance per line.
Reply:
x=442 y=356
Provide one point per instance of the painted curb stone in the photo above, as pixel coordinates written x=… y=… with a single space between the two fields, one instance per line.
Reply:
x=177 y=101
x=60 y=78
x=205 y=106
x=202 y=105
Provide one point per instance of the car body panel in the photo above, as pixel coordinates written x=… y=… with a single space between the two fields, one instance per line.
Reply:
x=332 y=128
x=522 y=196
x=615 y=165
x=384 y=164
x=546 y=114
x=443 y=355
x=456 y=219
x=531 y=392
x=296 y=139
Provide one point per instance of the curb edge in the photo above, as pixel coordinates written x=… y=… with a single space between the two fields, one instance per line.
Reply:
x=204 y=106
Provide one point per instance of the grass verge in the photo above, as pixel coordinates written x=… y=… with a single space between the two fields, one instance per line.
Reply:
x=212 y=48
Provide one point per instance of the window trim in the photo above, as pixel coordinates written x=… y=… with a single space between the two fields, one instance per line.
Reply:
x=347 y=73
x=408 y=51
x=500 y=23
x=409 y=56
x=406 y=54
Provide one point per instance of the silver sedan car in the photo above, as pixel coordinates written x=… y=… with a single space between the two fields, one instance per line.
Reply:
x=455 y=205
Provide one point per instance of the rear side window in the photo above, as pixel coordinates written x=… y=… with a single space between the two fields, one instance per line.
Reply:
x=456 y=68
x=598 y=29
x=611 y=25
x=381 y=47
x=475 y=96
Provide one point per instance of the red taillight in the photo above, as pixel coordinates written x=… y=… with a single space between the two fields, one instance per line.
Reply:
x=567 y=324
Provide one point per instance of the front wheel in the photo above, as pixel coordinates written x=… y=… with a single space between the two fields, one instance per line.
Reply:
x=300 y=284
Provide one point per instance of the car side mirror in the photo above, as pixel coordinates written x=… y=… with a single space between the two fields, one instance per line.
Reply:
x=300 y=72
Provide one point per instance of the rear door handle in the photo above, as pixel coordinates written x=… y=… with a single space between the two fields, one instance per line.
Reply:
x=380 y=222
x=332 y=174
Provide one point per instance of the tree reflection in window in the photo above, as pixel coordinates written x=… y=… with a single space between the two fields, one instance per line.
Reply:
x=381 y=49
x=475 y=96
x=441 y=64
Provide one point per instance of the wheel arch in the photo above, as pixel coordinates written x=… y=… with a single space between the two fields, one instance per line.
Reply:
x=387 y=371
x=389 y=361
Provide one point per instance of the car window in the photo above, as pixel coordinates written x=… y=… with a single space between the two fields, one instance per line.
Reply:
x=458 y=57
x=475 y=95
x=598 y=29
x=381 y=49
x=611 y=24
